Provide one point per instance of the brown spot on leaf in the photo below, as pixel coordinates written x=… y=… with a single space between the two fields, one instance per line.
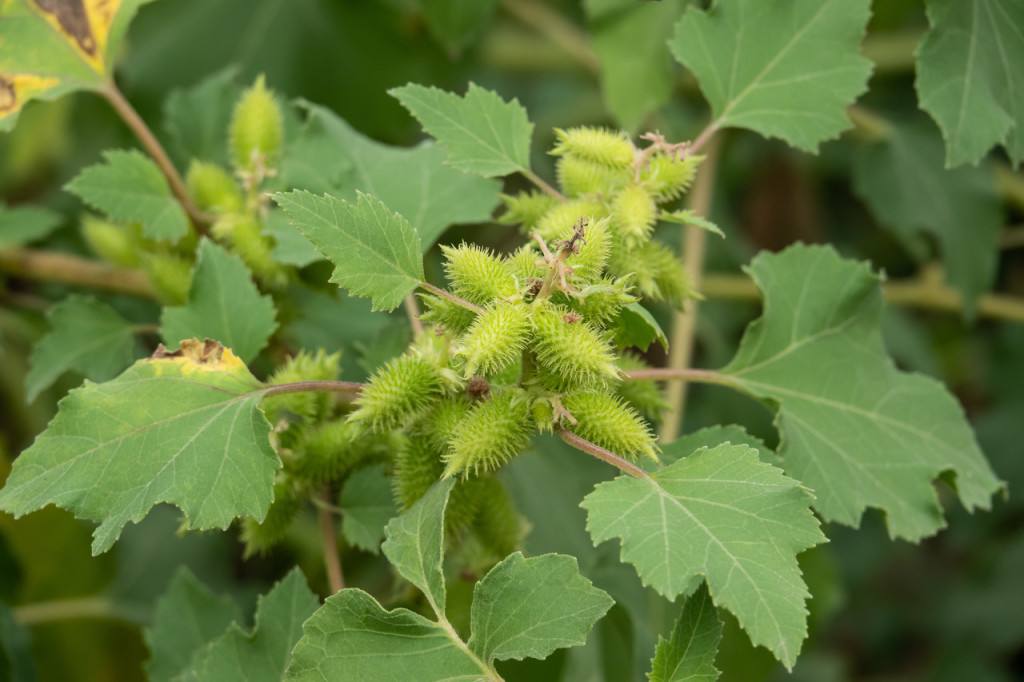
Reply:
x=8 y=95
x=73 y=21
x=201 y=352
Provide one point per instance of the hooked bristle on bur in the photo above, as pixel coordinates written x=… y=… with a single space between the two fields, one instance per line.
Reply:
x=605 y=147
x=398 y=392
x=476 y=274
x=496 y=339
x=494 y=431
x=605 y=420
x=575 y=355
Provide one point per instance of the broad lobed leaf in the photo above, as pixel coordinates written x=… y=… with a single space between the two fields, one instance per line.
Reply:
x=187 y=617
x=481 y=132
x=531 y=607
x=782 y=69
x=353 y=639
x=415 y=182
x=224 y=305
x=184 y=429
x=367 y=504
x=375 y=251
x=903 y=182
x=722 y=514
x=130 y=188
x=86 y=336
x=969 y=76
x=688 y=655
x=854 y=428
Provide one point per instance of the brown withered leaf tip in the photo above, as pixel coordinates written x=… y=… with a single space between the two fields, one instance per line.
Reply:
x=73 y=20
x=200 y=352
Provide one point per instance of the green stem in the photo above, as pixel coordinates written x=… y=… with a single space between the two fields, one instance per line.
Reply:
x=350 y=387
x=702 y=376
x=923 y=294
x=684 y=324
x=51 y=266
x=329 y=536
x=447 y=295
x=95 y=607
x=541 y=183
x=153 y=147
x=607 y=456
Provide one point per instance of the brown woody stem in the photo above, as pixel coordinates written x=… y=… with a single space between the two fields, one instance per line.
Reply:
x=153 y=147
x=332 y=559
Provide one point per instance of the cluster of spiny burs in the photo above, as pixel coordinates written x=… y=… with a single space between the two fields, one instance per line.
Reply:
x=233 y=198
x=534 y=351
x=519 y=344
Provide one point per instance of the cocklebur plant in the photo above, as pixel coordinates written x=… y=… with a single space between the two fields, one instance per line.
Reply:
x=240 y=416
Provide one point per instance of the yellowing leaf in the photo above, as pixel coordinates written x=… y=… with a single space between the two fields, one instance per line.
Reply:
x=51 y=47
x=182 y=428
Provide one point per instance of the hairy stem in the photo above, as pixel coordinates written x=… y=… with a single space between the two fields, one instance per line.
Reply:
x=95 y=607
x=332 y=558
x=350 y=387
x=684 y=324
x=153 y=147
x=457 y=300
x=703 y=376
x=923 y=294
x=51 y=266
x=607 y=456
x=412 y=310
x=542 y=184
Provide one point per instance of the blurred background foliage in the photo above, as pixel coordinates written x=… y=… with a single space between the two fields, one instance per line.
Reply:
x=949 y=609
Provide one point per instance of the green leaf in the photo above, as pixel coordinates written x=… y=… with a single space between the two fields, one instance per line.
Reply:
x=723 y=514
x=903 y=182
x=782 y=69
x=688 y=655
x=130 y=188
x=637 y=76
x=48 y=49
x=183 y=429
x=854 y=428
x=415 y=544
x=223 y=304
x=197 y=118
x=24 y=224
x=367 y=505
x=688 y=217
x=457 y=23
x=375 y=251
x=711 y=436
x=529 y=608
x=481 y=132
x=290 y=247
x=187 y=617
x=637 y=327
x=263 y=653
x=414 y=182
x=969 y=76
x=351 y=638
x=86 y=336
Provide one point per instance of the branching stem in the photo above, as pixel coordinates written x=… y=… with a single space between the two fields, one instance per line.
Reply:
x=51 y=266
x=412 y=310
